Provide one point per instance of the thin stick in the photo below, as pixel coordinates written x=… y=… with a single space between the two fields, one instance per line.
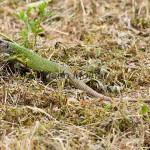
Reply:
x=84 y=12
x=5 y=36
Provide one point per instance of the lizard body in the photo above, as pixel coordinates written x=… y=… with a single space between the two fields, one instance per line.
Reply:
x=37 y=63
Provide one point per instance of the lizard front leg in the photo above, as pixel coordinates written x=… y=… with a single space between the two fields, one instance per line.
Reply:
x=11 y=58
x=18 y=58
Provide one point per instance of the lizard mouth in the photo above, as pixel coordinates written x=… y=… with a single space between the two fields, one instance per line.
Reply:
x=3 y=41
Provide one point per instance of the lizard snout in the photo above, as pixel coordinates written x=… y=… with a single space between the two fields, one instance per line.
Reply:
x=4 y=46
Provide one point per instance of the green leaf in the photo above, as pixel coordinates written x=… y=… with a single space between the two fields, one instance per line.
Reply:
x=28 y=11
x=38 y=31
x=35 y=9
x=48 y=13
x=17 y=16
x=22 y=15
x=33 y=29
x=144 y=110
x=106 y=108
x=42 y=6
x=35 y=23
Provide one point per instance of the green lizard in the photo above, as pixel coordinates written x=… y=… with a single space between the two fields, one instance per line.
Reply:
x=37 y=63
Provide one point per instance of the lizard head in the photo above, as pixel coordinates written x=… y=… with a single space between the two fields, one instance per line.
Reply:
x=4 y=47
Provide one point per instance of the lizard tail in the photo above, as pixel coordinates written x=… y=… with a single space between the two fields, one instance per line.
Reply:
x=82 y=86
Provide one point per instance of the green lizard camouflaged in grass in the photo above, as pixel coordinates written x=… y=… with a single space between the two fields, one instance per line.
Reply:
x=37 y=63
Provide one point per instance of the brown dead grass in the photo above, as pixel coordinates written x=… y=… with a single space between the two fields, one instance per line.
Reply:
x=108 y=37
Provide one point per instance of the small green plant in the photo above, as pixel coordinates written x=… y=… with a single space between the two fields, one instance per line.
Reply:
x=106 y=108
x=144 y=111
x=32 y=25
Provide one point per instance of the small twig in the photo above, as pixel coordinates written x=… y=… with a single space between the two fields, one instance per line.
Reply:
x=5 y=36
x=84 y=12
x=39 y=110
x=61 y=32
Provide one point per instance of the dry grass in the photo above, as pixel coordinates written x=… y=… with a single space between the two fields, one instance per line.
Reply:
x=107 y=37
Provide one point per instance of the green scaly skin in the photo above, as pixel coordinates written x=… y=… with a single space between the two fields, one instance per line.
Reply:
x=33 y=61
x=37 y=63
